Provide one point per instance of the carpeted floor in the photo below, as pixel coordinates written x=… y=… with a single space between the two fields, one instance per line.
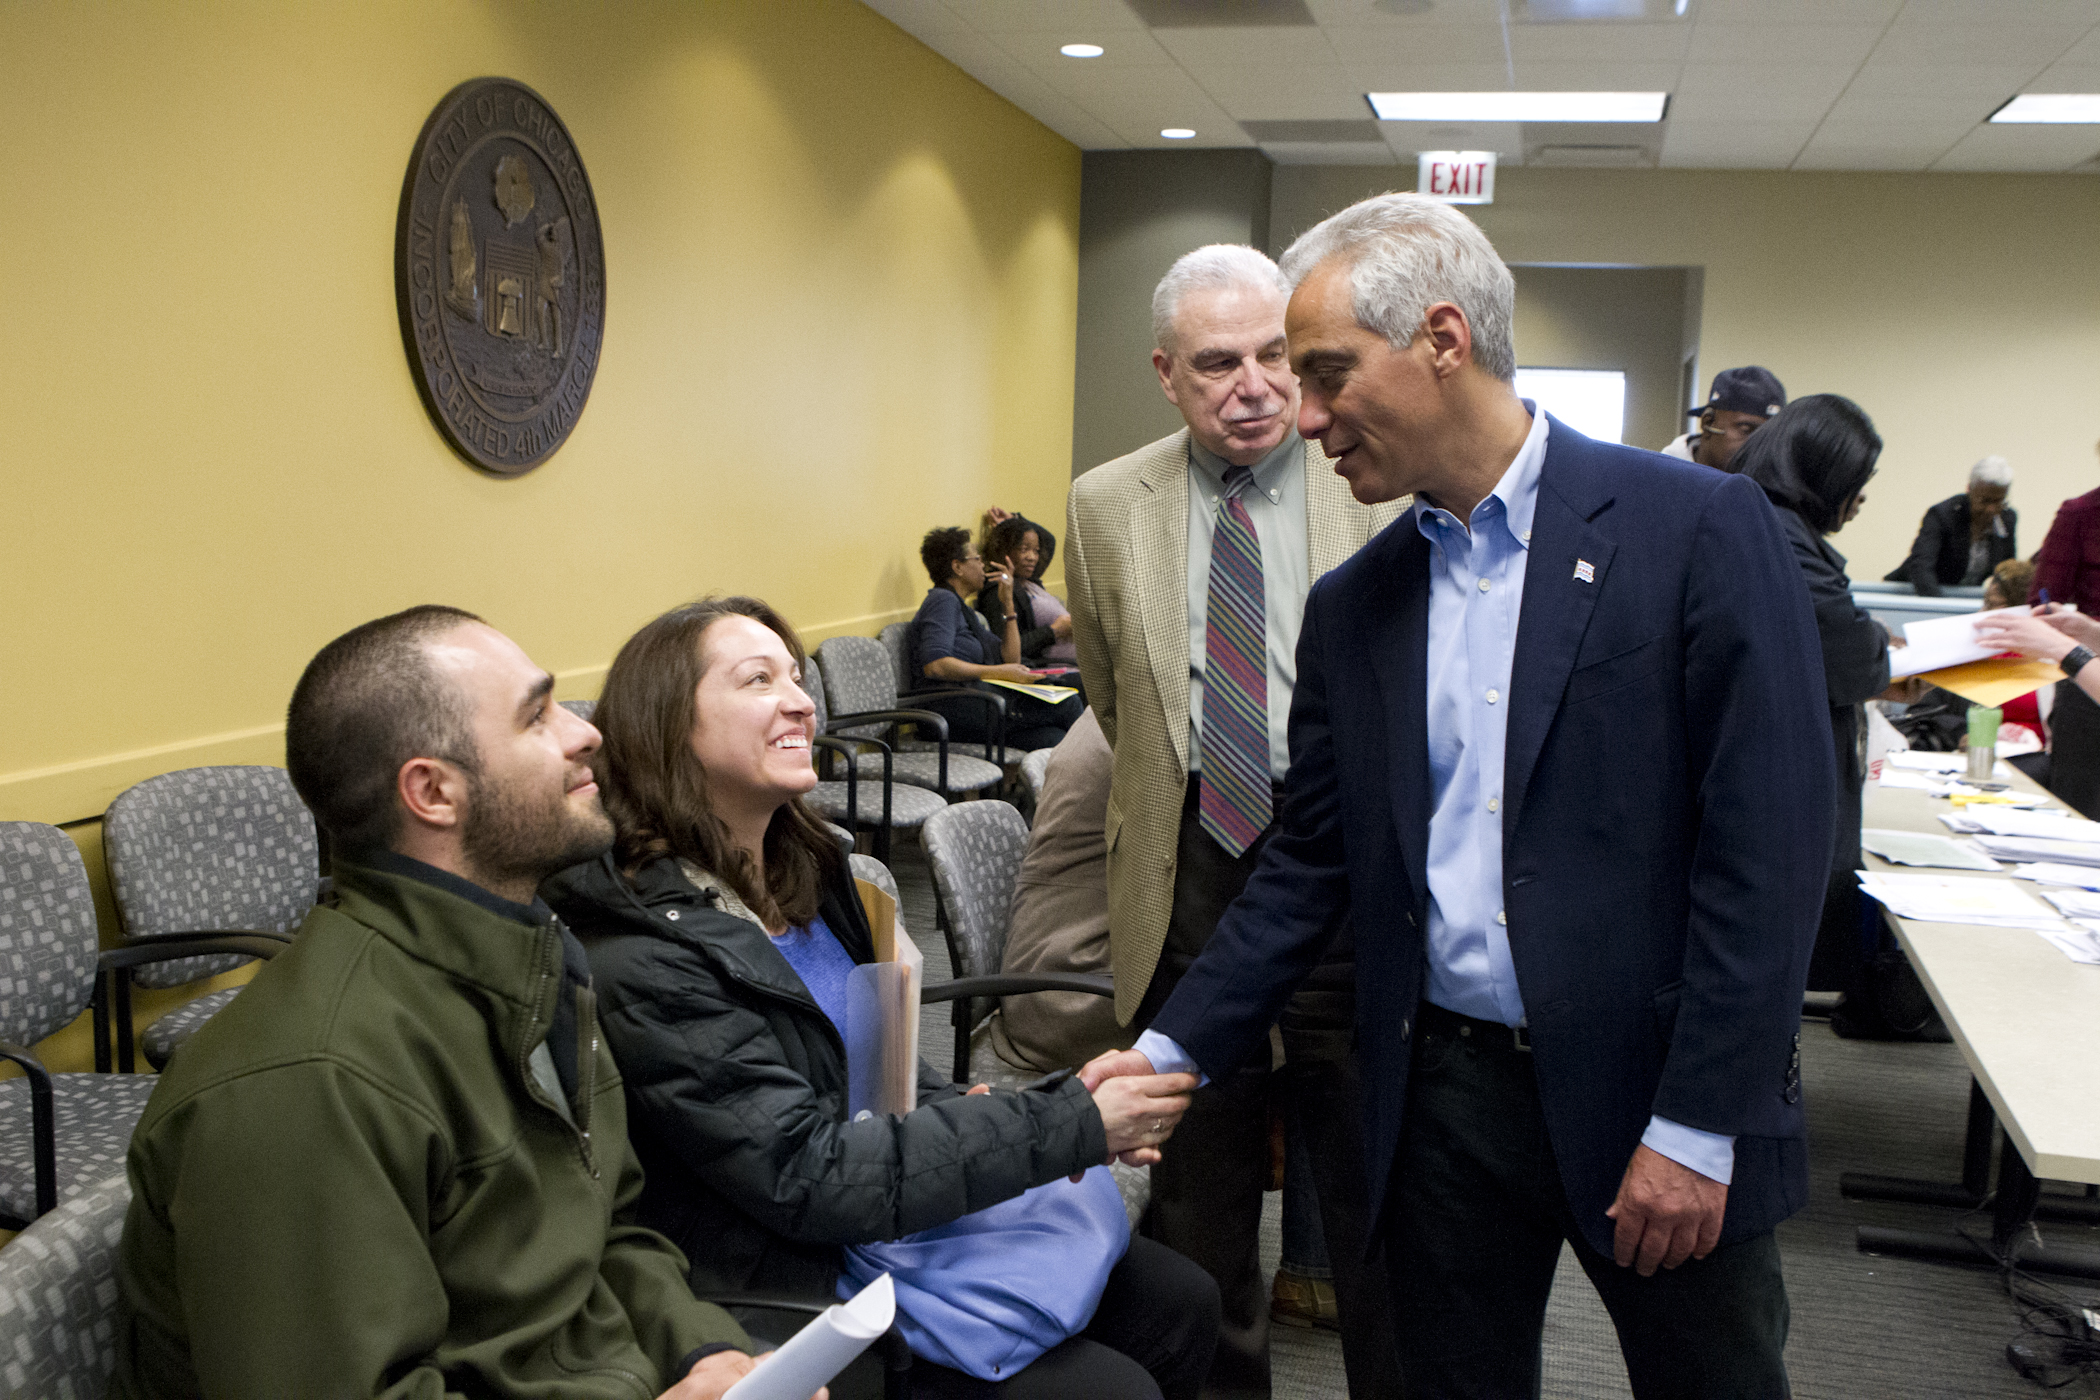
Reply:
x=1864 y=1328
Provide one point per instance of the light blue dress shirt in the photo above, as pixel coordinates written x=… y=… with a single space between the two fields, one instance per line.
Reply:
x=1476 y=592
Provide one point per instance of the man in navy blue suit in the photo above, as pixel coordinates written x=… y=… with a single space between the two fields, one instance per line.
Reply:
x=1559 y=743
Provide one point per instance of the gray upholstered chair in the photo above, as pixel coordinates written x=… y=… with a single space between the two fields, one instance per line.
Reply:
x=582 y=709
x=60 y=1133
x=204 y=850
x=975 y=850
x=58 y=1297
x=860 y=688
x=869 y=795
x=896 y=644
x=1035 y=767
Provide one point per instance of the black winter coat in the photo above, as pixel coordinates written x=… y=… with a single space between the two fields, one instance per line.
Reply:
x=736 y=1090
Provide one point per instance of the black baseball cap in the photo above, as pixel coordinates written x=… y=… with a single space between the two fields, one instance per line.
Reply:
x=1750 y=389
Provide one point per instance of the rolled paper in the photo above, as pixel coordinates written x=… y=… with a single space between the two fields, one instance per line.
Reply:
x=827 y=1346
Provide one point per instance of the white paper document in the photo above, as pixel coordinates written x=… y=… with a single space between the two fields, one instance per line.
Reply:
x=2039 y=848
x=2078 y=904
x=1957 y=899
x=1936 y=642
x=1923 y=848
x=821 y=1350
x=2080 y=945
x=2086 y=877
x=2011 y=821
x=1920 y=761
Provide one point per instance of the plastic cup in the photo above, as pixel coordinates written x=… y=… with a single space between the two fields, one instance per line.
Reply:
x=1983 y=740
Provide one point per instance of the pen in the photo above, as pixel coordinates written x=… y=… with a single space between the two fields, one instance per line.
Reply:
x=2042 y=596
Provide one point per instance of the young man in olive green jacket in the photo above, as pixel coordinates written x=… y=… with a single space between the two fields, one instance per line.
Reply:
x=397 y=1163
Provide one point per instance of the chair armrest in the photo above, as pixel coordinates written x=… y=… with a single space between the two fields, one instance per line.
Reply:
x=996 y=728
x=1001 y=984
x=166 y=947
x=43 y=1126
x=927 y=717
x=841 y=746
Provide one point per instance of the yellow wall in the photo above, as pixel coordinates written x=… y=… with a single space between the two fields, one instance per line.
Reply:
x=1628 y=319
x=841 y=289
x=1961 y=311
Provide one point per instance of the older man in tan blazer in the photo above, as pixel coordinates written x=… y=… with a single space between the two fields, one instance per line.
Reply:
x=1189 y=561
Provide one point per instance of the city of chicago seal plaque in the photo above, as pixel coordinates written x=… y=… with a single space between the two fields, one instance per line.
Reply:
x=500 y=274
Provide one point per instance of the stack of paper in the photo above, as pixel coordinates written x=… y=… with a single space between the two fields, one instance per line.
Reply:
x=1957 y=899
x=2040 y=848
x=2079 y=904
x=2054 y=826
x=1921 y=761
x=2085 y=877
x=2080 y=945
x=1922 y=848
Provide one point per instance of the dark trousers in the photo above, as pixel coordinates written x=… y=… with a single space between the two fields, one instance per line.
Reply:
x=2074 y=749
x=1030 y=724
x=1207 y=1188
x=1474 y=1232
x=1151 y=1339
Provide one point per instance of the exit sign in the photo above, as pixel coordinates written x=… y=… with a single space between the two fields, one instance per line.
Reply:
x=1457 y=177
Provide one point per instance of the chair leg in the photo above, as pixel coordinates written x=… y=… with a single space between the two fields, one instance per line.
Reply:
x=99 y=1003
x=126 y=1056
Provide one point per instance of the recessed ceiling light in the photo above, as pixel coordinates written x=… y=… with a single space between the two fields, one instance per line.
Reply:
x=1177 y=133
x=2050 y=107
x=1081 y=51
x=1518 y=106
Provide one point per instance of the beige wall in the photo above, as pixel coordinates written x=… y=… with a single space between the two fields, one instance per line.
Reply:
x=1627 y=319
x=841 y=291
x=1961 y=311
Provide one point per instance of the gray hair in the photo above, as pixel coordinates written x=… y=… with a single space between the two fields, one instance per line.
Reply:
x=1213 y=268
x=1991 y=471
x=1406 y=253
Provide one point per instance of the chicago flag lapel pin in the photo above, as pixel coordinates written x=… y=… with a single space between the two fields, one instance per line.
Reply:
x=1585 y=571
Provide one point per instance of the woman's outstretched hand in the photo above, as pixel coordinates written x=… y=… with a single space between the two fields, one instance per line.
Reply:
x=1139 y=1112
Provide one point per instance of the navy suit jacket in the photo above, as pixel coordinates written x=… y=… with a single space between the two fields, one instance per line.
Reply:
x=1667 y=822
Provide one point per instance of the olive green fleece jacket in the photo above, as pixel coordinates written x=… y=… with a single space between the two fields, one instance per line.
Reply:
x=351 y=1182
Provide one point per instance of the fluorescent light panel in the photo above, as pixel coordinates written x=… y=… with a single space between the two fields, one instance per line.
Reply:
x=1518 y=106
x=2051 y=107
x=1081 y=51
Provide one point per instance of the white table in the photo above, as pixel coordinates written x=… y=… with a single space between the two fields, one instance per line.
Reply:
x=2027 y=1020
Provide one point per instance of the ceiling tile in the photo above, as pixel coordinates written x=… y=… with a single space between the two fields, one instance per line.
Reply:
x=1606 y=43
x=1873 y=148
x=1800 y=79
x=1888 y=109
x=1819 y=44
x=919 y=17
x=1038 y=49
x=1022 y=16
x=1734 y=145
x=1335 y=14
x=1337 y=153
x=1408 y=138
x=1596 y=77
x=2006 y=42
x=1917 y=128
x=1241 y=48
x=1407 y=77
x=2022 y=148
x=2086 y=50
x=1749 y=105
x=2065 y=77
x=1983 y=80
x=1427 y=46
x=1063 y=116
x=1797 y=11
x=2073 y=12
x=967 y=49
x=1285 y=94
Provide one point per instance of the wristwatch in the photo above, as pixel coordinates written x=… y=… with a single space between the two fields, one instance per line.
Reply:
x=2073 y=659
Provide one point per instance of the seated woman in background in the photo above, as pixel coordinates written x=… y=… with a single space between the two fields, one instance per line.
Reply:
x=1022 y=550
x=721 y=930
x=952 y=648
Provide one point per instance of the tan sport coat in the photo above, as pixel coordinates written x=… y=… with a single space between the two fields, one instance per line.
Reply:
x=1126 y=566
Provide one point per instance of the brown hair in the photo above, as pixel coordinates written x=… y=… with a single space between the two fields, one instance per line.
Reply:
x=655 y=789
x=368 y=703
x=2015 y=579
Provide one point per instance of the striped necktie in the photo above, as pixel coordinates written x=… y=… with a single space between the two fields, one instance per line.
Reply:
x=1236 y=795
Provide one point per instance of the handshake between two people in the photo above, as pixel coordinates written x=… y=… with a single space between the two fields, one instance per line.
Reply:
x=1138 y=1107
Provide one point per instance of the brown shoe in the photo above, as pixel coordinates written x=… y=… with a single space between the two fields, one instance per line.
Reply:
x=1298 y=1301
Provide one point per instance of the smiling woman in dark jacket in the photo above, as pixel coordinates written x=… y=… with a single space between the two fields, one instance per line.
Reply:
x=720 y=931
